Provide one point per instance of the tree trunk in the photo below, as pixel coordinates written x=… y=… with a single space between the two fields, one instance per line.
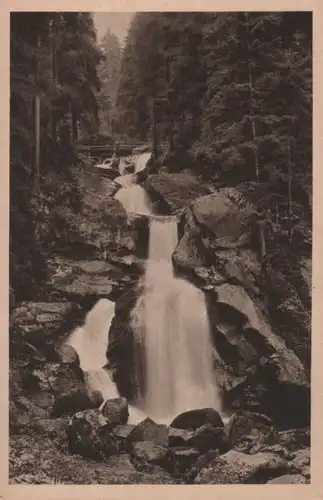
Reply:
x=290 y=211
x=54 y=77
x=168 y=104
x=36 y=142
x=74 y=123
x=153 y=130
x=253 y=126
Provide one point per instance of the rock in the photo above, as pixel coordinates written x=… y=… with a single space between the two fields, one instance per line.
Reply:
x=174 y=191
x=23 y=413
x=239 y=468
x=39 y=478
x=294 y=439
x=108 y=171
x=183 y=458
x=220 y=213
x=115 y=411
x=148 y=430
x=89 y=435
x=246 y=428
x=68 y=355
x=288 y=479
x=179 y=437
x=148 y=452
x=194 y=419
x=209 y=437
x=121 y=433
x=36 y=323
x=201 y=462
x=62 y=384
x=52 y=428
x=301 y=460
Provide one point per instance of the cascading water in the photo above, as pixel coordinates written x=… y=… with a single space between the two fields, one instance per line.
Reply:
x=171 y=321
x=90 y=342
x=132 y=196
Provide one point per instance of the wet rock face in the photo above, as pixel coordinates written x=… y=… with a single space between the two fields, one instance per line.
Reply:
x=257 y=365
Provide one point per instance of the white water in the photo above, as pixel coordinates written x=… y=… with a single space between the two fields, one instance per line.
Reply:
x=133 y=197
x=91 y=342
x=171 y=320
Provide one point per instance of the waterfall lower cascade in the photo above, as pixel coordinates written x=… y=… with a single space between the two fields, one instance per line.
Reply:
x=172 y=323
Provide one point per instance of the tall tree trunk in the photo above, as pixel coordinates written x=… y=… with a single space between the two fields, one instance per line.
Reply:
x=253 y=126
x=153 y=129
x=74 y=123
x=290 y=211
x=36 y=142
x=36 y=122
x=53 y=33
x=169 y=109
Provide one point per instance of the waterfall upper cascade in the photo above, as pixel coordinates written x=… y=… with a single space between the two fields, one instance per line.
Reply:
x=132 y=196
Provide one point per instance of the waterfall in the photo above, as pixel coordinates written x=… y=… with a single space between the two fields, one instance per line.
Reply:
x=90 y=342
x=172 y=324
x=133 y=197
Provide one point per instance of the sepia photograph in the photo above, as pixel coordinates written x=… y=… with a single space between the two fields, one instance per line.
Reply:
x=160 y=248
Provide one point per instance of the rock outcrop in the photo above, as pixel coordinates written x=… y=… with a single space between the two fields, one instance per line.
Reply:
x=257 y=365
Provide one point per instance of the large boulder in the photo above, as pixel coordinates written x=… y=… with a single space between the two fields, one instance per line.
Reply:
x=57 y=387
x=115 y=411
x=183 y=459
x=174 y=191
x=180 y=437
x=208 y=437
x=149 y=453
x=244 y=429
x=194 y=419
x=89 y=435
x=239 y=468
x=40 y=323
x=148 y=430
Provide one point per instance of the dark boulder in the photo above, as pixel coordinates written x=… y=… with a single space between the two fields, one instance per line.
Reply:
x=194 y=419
x=149 y=453
x=115 y=411
x=148 y=430
x=89 y=435
x=183 y=459
x=207 y=437
x=244 y=429
x=180 y=437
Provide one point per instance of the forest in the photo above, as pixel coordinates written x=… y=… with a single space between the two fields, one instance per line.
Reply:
x=232 y=95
